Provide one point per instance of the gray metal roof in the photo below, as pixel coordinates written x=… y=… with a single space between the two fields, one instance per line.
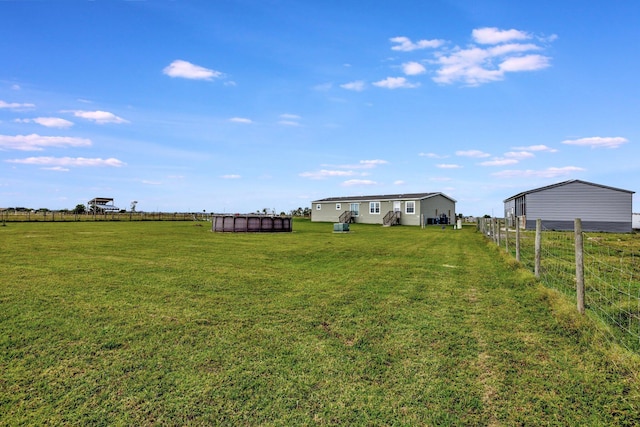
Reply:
x=101 y=200
x=384 y=197
x=559 y=184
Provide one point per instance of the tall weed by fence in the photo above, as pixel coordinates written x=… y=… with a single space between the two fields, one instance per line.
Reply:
x=611 y=265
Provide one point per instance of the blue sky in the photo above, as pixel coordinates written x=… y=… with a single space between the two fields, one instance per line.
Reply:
x=236 y=106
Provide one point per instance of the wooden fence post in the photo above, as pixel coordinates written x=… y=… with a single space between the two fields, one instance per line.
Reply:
x=579 y=265
x=538 y=247
x=517 y=239
x=506 y=236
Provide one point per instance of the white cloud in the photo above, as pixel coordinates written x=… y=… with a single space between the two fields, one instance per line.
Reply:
x=288 y=123
x=187 y=70
x=525 y=63
x=367 y=164
x=289 y=120
x=492 y=35
x=231 y=176
x=492 y=54
x=50 y=122
x=519 y=155
x=405 y=44
x=432 y=155
x=536 y=148
x=499 y=162
x=353 y=182
x=472 y=153
x=598 y=142
x=288 y=116
x=240 y=120
x=57 y=169
x=357 y=86
x=15 y=105
x=465 y=65
x=399 y=182
x=100 y=117
x=509 y=48
x=148 y=182
x=35 y=142
x=475 y=65
x=448 y=166
x=552 y=172
x=395 y=83
x=362 y=164
x=413 y=68
x=68 y=161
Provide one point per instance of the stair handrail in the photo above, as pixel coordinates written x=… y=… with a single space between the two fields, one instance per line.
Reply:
x=345 y=217
x=392 y=217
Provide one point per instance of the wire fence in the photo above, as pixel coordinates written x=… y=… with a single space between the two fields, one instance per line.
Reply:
x=609 y=263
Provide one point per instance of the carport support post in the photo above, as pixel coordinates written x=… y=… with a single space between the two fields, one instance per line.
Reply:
x=538 y=247
x=579 y=265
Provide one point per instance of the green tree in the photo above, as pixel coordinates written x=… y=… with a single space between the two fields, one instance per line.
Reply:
x=79 y=209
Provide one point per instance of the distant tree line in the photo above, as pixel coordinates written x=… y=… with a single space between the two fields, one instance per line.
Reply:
x=82 y=209
x=301 y=212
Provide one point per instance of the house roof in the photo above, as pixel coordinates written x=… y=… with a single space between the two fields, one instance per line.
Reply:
x=384 y=197
x=560 y=184
x=101 y=200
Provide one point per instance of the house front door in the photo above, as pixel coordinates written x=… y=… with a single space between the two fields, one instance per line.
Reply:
x=397 y=206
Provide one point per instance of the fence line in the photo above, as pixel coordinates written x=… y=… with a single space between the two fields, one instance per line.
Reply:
x=53 y=216
x=611 y=270
x=612 y=278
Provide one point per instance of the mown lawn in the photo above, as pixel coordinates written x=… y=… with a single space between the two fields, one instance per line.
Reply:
x=159 y=323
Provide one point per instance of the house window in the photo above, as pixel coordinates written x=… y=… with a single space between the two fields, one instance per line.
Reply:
x=410 y=207
x=355 y=209
x=374 y=208
x=318 y=206
x=338 y=206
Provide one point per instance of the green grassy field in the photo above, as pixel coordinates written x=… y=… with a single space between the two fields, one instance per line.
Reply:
x=167 y=323
x=611 y=264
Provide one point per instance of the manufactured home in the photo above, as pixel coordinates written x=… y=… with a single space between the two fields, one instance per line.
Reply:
x=600 y=207
x=390 y=209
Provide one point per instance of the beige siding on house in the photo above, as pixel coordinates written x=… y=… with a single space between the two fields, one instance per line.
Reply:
x=435 y=206
x=427 y=206
x=326 y=213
